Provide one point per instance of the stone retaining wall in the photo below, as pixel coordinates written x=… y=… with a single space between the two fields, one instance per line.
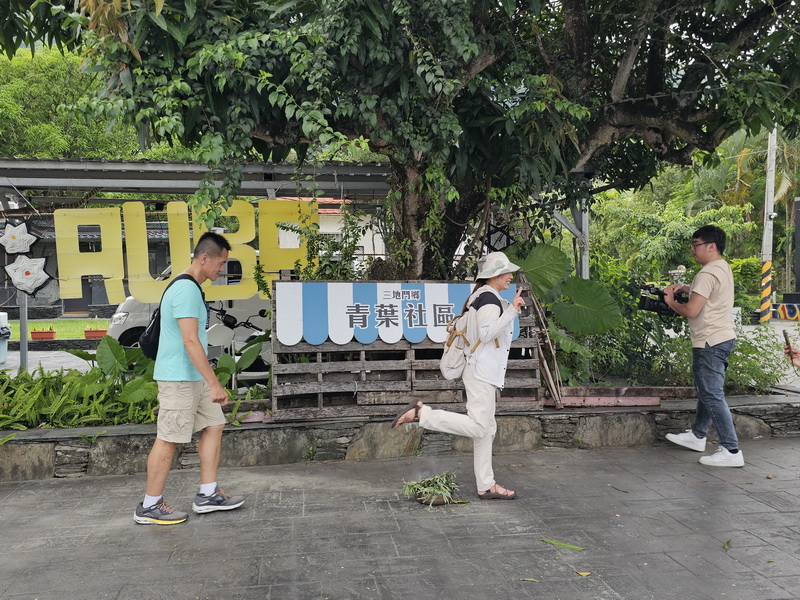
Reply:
x=35 y=312
x=54 y=345
x=42 y=454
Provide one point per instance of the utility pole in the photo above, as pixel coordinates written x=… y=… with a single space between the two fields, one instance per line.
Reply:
x=766 y=241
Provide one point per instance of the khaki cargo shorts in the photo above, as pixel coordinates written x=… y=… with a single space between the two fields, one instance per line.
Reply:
x=185 y=407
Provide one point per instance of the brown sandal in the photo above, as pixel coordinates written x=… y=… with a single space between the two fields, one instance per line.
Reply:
x=490 y=495
x=412 y=405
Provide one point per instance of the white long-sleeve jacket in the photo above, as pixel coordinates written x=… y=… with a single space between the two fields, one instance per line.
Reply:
x=490 y=360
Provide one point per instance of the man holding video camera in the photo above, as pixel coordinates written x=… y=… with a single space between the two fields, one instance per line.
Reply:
x=708 y=311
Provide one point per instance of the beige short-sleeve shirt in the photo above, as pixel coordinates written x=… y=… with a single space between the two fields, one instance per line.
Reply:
x=714 y=324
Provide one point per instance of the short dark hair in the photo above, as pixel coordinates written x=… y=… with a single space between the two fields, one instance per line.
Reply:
x=713 y=234
x=212 y=244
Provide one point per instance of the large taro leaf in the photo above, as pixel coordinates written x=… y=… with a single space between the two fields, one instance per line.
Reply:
x=586 y=308
x=544 y=267
x=111 y=357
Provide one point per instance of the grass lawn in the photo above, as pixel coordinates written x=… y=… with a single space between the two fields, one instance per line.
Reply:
x=66 y=329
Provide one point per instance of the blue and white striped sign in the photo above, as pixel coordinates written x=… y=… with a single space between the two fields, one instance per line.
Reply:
x=314 y=311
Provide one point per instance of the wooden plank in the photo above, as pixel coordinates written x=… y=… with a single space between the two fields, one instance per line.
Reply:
x=426 y=344
x=306 y=348
x=520 y=384
x=329 y=412
x=438 y=384
x=300 y=389
x=331 y=376
x=394 y=399
x=516 y=364
x=343 y=366
x=523 y=363
x=522 y=342
x=523 y=375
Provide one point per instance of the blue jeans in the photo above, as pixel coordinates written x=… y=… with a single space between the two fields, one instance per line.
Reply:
x=709 y=365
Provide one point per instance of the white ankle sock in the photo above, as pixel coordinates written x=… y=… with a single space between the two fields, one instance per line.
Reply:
x=150 y=501
x=207 y=489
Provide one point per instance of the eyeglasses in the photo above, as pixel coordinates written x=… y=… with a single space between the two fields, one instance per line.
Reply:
x=696 y=244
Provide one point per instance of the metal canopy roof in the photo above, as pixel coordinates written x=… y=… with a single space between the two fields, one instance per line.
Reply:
x=343 y=180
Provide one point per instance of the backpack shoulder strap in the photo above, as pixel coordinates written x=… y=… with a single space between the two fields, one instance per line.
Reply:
x=484 y=299
x=487 y=298
x=179 y=278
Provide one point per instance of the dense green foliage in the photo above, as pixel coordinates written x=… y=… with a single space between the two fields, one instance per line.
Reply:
x=648 y=349
x=486 y=112
x=329 y=258
x=35 y=119
x=756 y=364
x=119 y=389
x=480 y=107
x=650 y=229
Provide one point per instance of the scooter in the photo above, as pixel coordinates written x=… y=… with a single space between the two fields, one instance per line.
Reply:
x=246 y=362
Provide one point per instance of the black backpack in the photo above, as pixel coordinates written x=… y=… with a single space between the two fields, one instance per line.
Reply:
x=148 y=341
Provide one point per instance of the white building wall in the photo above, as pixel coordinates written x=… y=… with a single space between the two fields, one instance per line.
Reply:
x=371 y=242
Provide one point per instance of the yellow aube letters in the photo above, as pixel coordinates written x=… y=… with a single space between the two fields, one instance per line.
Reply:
x=108 y=262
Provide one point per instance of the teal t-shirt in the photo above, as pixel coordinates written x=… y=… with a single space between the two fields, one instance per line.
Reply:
x=183 y=299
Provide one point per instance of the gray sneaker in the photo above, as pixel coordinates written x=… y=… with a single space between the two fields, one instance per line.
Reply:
x=219 y=500
x=160 y=514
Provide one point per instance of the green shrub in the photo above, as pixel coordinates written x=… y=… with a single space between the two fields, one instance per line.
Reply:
x=747 y=282
x=757 y=362
x=119 y=389
x=755 y=365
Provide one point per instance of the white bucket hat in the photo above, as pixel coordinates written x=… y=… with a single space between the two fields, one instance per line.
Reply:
x=493 y=264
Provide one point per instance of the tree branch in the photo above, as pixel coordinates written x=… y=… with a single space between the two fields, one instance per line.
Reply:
x=550 y=63
x=626 y=63
x=659 y=131
x=742 y=35
x=477 y=65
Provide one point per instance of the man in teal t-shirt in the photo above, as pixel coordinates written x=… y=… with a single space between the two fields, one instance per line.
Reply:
x=182 y=301
x=190 y=396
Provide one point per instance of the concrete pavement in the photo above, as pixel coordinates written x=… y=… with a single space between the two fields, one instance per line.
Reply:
x=48 y=359
x=654 y=524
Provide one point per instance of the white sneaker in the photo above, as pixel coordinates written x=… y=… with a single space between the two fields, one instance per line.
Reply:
x=723 y=458
x=689 y=440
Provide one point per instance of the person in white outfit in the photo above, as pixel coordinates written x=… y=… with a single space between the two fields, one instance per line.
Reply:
x=483 y=375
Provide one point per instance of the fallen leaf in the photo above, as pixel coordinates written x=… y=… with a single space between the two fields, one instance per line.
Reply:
x=770 y=560
x=562 y=544
x=583 y=573
x=726 y=545
x=530 y=579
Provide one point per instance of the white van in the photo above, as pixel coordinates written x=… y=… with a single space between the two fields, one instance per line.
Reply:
x=132 y=316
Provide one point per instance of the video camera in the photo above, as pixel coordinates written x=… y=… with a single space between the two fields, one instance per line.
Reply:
x=652 y=299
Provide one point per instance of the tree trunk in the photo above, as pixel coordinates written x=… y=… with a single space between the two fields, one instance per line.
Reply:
x=456 y=227
x=415 y=254
x=408 y=214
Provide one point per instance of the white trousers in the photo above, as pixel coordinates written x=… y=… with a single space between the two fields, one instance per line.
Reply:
x=478 y=424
